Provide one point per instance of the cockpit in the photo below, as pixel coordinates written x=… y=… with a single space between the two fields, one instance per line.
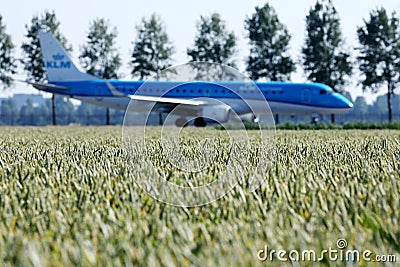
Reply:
x=324 y=92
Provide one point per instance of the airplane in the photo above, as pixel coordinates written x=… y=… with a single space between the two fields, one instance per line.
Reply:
x=65 y=79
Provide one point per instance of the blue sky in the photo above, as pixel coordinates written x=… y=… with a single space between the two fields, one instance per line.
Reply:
x=180 y=18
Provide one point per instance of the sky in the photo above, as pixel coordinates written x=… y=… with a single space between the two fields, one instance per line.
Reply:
x=180 y=18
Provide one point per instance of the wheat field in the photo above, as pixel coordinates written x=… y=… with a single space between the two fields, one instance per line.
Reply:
x=66 y=199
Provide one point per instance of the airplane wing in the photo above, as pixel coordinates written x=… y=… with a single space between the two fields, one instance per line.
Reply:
x=205 y=107
x=186 y=107
x=156 y=99
x=168 y=100
x=167 y=104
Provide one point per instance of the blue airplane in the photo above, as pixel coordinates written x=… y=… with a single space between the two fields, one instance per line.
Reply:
x=65 y=79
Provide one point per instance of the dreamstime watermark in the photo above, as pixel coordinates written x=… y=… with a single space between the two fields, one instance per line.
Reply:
x=339 y=253
x=185 y=166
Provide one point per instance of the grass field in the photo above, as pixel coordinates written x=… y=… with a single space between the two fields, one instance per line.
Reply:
x=66 y=199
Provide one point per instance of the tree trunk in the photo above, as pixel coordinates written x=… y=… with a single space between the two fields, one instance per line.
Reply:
x=389 y=102
x=107 y=116
x=53 y=109
x=332 y=118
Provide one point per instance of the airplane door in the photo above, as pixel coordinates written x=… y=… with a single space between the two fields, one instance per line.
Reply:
x=99 y=92
x=306 y=96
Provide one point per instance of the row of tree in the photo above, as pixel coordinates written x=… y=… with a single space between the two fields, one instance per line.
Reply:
x=87 y=114
x=324 y=57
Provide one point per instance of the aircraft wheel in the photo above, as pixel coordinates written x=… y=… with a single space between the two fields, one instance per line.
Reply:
x=181 y=122
x=200 y=122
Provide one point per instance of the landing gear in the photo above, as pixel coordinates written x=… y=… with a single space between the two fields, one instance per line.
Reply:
x=181 y=122
x=277 y=118
x=200 y=122
x=314 y=119
x=249 y=117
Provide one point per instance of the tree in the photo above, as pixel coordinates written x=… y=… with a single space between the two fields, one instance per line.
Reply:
x=32 y=55
x=324 y=58
x=269 y=43
x=32 y=60
x=152 y=50
x=100 y=56
x=380 y=53
x=7 y=61
x=213 y=42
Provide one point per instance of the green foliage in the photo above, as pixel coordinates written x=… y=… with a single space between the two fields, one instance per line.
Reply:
x=7 y=60
x=32 y=60
x=324 y=59
x=99 y=56
x=67 y=199
x=213 y=42
x=318 y=126
x=372 y=126
x=380 y=53
x=269 y=44
x=152 y=49
x=346 y=126
x=308 y=126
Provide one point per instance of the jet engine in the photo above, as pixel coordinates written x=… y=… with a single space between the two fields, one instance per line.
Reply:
x=219 y=113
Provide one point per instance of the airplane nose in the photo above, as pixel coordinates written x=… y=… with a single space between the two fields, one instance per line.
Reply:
x=350 y=106
x=347 y=105
x=343 y=102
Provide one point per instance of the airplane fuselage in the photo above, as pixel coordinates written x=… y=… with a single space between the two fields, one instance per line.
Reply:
x=282 y=97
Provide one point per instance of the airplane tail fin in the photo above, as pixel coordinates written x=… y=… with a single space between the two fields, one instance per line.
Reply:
x=59 y=67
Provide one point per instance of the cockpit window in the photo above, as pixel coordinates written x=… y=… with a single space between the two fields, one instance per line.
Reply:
x=322 y=91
